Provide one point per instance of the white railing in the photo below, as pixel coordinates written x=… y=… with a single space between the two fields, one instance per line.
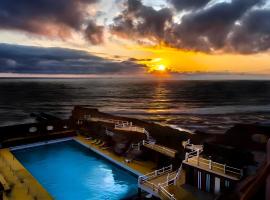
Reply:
x=172 y=177
x=122 y=124
x=194 y=156
x=166 y=193
x=137 y=145
x=131 y=127
x=109 y=133
x=178 y=174
x=154 y=174
x=171 y=180
x=155 y=146
x=192 y=147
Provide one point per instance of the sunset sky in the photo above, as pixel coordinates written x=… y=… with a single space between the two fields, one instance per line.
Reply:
x=163 y=38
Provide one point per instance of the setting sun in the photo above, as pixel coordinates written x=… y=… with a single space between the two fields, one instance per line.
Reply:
x=161 y=68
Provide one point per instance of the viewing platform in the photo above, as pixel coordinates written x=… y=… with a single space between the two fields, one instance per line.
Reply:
x=194 y=159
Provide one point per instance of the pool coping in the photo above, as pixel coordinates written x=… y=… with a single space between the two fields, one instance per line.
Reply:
x=36 y=144
x=122 y=165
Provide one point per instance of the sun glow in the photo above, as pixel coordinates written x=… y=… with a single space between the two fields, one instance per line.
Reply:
x=161 y=68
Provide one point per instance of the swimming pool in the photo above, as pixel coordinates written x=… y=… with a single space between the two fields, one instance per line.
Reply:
x=68 y=170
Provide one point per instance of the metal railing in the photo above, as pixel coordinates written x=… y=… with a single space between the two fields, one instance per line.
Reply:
x=159 y=147
x=171 y=179
x=154 y=174
x=109 y=133
x=166 y=193
x=194 y=157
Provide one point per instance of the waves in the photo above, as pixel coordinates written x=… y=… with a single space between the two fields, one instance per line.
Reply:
x=204 y=105
x=215 y=110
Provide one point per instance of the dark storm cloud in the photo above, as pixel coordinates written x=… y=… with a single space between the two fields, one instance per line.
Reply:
x=94 y=33
x=26 y=59
x=138 y=20
x=44 y=17
x=208 y=27
x=252 y=35
x=188 y=4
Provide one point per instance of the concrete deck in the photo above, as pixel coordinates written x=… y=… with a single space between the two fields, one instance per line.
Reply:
x=23 y=185
x=137 y=167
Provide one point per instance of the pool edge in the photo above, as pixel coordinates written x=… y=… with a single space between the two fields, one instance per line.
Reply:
x=122 y=165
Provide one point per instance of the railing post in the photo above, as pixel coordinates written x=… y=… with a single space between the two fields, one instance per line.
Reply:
x=198 y=157
x=186 y=157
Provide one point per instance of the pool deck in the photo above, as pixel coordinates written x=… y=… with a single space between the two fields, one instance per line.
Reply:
x=136 y=167
x=23 y=185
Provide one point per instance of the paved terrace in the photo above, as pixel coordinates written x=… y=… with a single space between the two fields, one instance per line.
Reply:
x=141 y=167
x=22 y=184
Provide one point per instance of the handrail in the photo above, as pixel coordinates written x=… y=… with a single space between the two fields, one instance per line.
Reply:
x=195 y=157
x=155 y=173
x=161 y=187
x=167 y=193
x=158 y=146
x=109 y=133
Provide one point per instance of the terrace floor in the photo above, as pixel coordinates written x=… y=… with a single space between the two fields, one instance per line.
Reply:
x=143 y=167
x=23 y=185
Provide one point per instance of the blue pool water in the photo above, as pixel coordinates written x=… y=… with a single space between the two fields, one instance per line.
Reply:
x=69 y=170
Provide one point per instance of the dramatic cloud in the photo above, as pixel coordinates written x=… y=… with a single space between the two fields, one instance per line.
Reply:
x=252 y=35
x=94 y=33
x=235 y=26
x=26 y=59
x=188 y=4
x=45 y=17
x=138 y=20
x=208 y=29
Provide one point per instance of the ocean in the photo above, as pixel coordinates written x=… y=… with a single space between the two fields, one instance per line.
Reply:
x=210 y=106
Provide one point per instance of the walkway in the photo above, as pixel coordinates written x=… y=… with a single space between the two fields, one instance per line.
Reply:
x=23 y=185
x=161 y=149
